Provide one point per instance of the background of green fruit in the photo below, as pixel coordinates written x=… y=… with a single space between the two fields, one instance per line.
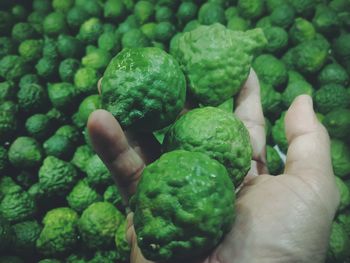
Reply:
x=52 y=53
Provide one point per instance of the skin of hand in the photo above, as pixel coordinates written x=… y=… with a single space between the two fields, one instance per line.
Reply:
x=284 y=218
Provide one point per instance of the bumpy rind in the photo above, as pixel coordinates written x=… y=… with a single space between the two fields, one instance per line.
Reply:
x=218 y=134
x=144 y=88
x=99 y=223
x=216 y=60
x=183 y=206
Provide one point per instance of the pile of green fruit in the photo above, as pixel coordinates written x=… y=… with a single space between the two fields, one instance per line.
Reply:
x=58 y=202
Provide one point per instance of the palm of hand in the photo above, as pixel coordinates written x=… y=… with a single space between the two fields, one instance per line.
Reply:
x=282 y=218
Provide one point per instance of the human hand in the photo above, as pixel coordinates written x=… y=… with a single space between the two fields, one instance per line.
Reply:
x=285 y=218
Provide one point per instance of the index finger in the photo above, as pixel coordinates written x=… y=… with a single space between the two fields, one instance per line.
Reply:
x=249 y=111
x=111 y=145
x=308 y=155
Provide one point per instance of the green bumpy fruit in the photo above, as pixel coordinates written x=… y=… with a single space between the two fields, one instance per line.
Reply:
x=12 y=67
x=183 y=206
x=264 y=22
x=164 y=13
x=25 y=152
x=282 y=16
x=69 y=46
x=337 y=123
x=164 y=31
x=344 y=219
x=90 y=30
x=143 y=11
x=230 y=12
x=8 y=186
x=17 y=206
x=122 y=245
x=277 y=39
x=186 y=12
x=99 y=223
x=70 y=132
x=58 y=146
x=30 y=49
x=28 y=79
x=32 y=98
x=302 y=30
x=216 y=60
x=270 y=70
x=250 y=9
x=238 y=23
x=333 y=73
x=110 y=41
x=339 y=244
x=143 y=88
x=210 y=13
x=342 y=51
x=54 y=24
x=75 y=17
x=26 y=234
x=96 y=58
x=76 y=258
x=134 y=38
x=218 y=134
x=7 y=46
x=39 y=126
x=62 y=5
x=46 y=67
x=56 y=177
x=81 y=196
x=96 y=171
x=191 y=25
x=330 y=97
x=344 y=191
x=114 y=9
x=340 y=153
x=8 y=120
x=294 y=89
x=270 y=99
x=105 y=256
x=68 y=68
x=60 y=232
x=310 y=56
x=81 y=156
x=279 y=135
x=274 y=161
x=87 y=106
x=112 y=195
x=326 y=20
x=22 y=31
x=7 y=90
x=85 y=80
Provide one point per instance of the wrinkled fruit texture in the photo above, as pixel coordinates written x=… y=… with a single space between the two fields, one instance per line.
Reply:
x=216 y=60
x=183 y=206
x=143 y=88
x=217 y=133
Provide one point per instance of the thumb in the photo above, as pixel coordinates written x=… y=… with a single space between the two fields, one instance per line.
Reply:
x=136 y=255
x=309 y=155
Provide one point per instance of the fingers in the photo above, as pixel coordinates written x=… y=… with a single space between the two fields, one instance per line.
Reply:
x=135 y=255
x=110 y=143
x=249 y=110
x=309 y=146
x=308 y=155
